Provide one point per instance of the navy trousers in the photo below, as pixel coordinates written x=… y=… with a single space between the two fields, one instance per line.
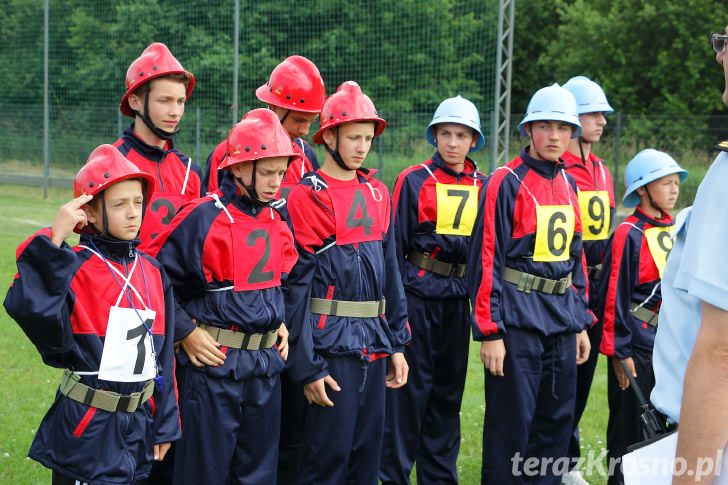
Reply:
x=341 y=444
x=293 y=410
x=624 y=426
x=230 y=430
x=423 y=417
x=529 y=411
x=584 y=378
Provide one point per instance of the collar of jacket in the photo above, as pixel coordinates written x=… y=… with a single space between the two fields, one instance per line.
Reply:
x=643 y=216
x=246 y=205
x=545 y=168
x=140 y=146
x=471 y=168
x=111 y=248
x=571 y=160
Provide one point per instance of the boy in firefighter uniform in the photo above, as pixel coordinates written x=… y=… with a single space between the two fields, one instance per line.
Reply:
x=630 y=290
x=228 y=255
x=345 y=303
x=435 y=204
x=528 y=292
x=157 y=87
x=105 y=313
x=295 y=92
x=596 y=201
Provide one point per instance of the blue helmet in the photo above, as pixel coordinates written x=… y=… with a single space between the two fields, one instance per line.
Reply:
x=457 y=110
x=590 y=97
x=552 y=103
x=647 y=166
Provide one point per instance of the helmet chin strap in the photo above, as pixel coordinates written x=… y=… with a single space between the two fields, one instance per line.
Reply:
x=581 y=149
x=335 y=152
x=652 y=203
x=160 y=133
x=105 y=232
x=250 y=189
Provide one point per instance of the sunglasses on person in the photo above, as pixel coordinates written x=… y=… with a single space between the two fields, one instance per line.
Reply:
x=718 y=40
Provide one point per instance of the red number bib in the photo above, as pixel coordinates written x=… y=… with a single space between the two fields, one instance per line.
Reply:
x=256 y=254
x=359 y=217
x=161 y=209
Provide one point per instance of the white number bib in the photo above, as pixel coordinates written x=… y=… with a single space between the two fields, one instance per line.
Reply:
x=127 y=355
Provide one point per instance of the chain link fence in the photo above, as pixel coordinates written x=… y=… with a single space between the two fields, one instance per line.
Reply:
x=407 y=55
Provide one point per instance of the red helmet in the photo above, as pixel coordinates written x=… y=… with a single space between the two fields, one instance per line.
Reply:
x=258 y=135
x=294 y=84
x=346 y=105
x=104 y=167
x=155 y=61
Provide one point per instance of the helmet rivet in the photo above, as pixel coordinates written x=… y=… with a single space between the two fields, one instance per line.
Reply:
x=155 y=68
x=302 y=100
x=263 y=147
x=106 y=175
x=343 y=113
x=331 y=117
x=141 y=73
x=288 y=96
x=90 y=184
x=271 y=90
x=247 y=149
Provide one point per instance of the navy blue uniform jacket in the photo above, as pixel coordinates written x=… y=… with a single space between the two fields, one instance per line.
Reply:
x=630 y=275
x=415 y=221
x=177 y=177
x=363 y=271
x=61 y=299
x=199 y=252
x=504 y=236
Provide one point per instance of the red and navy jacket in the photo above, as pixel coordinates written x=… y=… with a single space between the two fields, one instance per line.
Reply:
x=346 y=252
x=631 y=276
x=178 y=180
x=228 y=259
x=296 y=170
x=416 y=217
x=61 y=298
x=593 y=176
x=505 y=236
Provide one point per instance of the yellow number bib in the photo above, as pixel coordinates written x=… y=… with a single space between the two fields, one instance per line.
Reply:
x=554 y=230
x=457 y=206
x=594 y=206
x=660 y=244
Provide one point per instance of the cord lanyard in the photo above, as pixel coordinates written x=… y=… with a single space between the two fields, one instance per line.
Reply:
x=113 y=363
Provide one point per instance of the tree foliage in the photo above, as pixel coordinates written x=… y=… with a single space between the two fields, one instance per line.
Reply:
x=408 y=54
x=650 y=56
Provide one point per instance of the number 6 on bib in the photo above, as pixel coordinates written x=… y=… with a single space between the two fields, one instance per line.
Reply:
x=554 y=231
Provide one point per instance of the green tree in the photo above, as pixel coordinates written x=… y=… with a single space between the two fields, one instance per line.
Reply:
x=649 y=56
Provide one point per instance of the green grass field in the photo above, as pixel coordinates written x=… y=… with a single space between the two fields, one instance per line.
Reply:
x=27 y=386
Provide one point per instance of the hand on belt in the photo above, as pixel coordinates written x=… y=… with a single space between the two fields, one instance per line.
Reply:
x=241 y=340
